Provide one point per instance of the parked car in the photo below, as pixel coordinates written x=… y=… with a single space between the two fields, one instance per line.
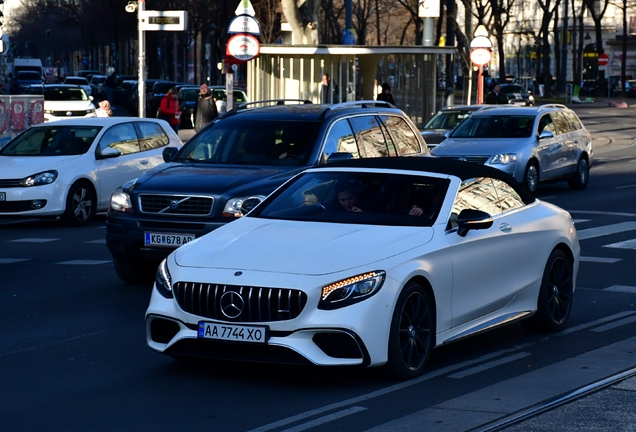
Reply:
x=79 y=81
x=70 y=168
x=25 y=79
x=244 y=155
x=188 y=97
x=122 y=93
x=517 y=94
x=533 y=144
x=64 y=101
x=308 y=282
x=98 y=90
x=88 y=74
x=630 y=88
x=444 y=121
x=158 y=92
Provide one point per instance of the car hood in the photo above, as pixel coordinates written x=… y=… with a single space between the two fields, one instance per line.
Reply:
x=434 y=136
x=214 y=179
x=305 y=248
x=23 y=166
x=68 y=105
x=475 y=146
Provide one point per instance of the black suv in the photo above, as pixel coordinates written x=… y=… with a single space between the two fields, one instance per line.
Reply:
x=229 y=166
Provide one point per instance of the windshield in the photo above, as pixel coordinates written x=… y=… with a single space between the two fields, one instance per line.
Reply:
x=447 y=119
x=513 y=89
x=52 y=141
x=361 y=198
x=495 y=126
x=190 y=95
x=254 y=142
x=65 y=94
x=76 y=81
x=28 y=76
x=162 y=88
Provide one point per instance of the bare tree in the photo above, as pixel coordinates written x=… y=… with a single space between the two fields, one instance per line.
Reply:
x=303 y=20
x=597 y=9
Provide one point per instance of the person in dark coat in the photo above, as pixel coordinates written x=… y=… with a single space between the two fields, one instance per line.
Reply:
x=386 y=95
x=205 y=110
x=329 y=92
x=496 y=96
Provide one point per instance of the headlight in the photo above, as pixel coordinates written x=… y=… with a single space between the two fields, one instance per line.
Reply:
x=233 y=206
x=531 y=98
x=504 y=159
x=163 y=281
x=120 y=201
x=352 y=290
x=43 y=178
x=90 y=111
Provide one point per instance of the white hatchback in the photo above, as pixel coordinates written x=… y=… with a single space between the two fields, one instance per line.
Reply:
x=70 y=168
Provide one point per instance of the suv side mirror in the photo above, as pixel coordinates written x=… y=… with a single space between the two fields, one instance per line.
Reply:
x=470 y=219
x=546 y=134
x=168 y=153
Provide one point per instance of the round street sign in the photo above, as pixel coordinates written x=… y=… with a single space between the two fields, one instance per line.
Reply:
x=244 y=24
x=603 y=59
x=480 y=56
x=243 y=47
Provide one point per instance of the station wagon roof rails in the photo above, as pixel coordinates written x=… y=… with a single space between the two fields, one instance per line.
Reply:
x=245 y=105
x=552 y=105
x=363 y=104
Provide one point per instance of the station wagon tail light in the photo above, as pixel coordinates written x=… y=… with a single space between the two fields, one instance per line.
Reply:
x=351 y=290
x=120 y=201
x=39 y=179
x=504 y=159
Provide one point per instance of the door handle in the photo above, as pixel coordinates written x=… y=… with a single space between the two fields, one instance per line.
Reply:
x=505 y=227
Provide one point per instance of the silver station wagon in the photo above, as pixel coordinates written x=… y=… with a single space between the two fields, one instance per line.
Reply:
x=547 y=143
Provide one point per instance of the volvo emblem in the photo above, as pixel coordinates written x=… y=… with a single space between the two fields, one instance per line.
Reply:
x=238 y=273
x=231 y=304
x=174 y=204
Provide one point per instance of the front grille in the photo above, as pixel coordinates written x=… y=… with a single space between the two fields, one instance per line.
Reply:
x=10 y=183
x=474 y=159
x=176 y=204
x=81 y=113
x=259 y=304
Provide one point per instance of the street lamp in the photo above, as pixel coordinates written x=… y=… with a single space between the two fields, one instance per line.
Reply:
x=480 y=55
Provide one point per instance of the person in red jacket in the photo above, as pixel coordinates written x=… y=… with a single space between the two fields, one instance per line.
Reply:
x=169 y=109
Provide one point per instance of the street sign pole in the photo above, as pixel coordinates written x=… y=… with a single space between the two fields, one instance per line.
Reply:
x=141 y=86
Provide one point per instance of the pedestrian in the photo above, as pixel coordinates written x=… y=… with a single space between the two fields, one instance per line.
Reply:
x=496 y=96
x=205 y=109
x=169 y=109
x=104 y=109
x=221 y=105
x=329 y=91
x=386 y=95
x=110 y=83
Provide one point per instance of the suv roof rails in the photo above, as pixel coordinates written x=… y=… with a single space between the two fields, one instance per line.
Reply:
x=363 y=104
x=245 y=105
x=552 y=105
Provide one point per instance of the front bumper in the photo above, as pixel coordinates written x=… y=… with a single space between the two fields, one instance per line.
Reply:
x=44 y=200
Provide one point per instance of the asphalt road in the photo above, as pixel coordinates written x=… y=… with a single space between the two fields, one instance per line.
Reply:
x=73 y=354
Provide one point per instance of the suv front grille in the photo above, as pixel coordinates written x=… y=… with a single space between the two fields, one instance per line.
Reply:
x=81 y=113
x=176 y=204
x=258 y=304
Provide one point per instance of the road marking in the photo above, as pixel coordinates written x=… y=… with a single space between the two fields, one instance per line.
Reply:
x=33 y=240
x=489 y=365
x=83 y=262
x=603 y=213
x=101 y=241
x=627 y=244
x=625 y=187
x=600 y=260
x=11 y=260
x=614 y=324
x=606 y=230
x=595 y=323
x=621 y=288
x=325 y=419
x=577 y=221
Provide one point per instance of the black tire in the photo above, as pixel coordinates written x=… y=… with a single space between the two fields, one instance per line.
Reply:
x=580 y=179
x=555 y=295
x=412 y=333
x=531 y=177
x=81 y=204
x=135 y=272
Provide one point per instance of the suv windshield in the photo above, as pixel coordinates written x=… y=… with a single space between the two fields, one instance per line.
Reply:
x=76 y=81
x=363 y=198
x=447 y=119
x=64 y=94
x=513 y=89
x=495 y=126
x=28 y=76
x=52 y=141
x=234 y=141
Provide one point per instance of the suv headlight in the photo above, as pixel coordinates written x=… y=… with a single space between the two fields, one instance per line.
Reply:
x=120 y=201
x=163 y=280
x=39 y=179
x=351 y=290
x=233 y=205
x=503 y=159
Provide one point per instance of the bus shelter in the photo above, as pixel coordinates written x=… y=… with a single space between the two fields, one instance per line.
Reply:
x=295 y=72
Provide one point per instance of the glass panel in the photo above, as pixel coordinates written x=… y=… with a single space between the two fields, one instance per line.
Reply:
x=152 y=136
x=122 y=137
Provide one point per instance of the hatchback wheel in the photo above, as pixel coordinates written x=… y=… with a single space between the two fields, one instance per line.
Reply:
x=412 y=333
x=531 y=178
x=580 y=179
x=81 y=204
x=555 y=295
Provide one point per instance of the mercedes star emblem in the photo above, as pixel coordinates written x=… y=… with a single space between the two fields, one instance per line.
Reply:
x=232 y=304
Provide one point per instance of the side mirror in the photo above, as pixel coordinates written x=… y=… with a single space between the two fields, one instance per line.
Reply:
x=546 y=134
x=338 y=156
x=470 y=219
x=109 y=153
x=168 y=153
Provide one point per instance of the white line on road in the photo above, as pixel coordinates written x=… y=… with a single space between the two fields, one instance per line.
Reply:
x=11 y=260
x=489 y=365
x=628 y=244
x=625 y=187
x=621 y=288
x=614 y=324
x=600 y=260
x=606 y=230
x=83 y=262
x=100 y=241
x=595 y=323
x=325 y=419
x=33 y=240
